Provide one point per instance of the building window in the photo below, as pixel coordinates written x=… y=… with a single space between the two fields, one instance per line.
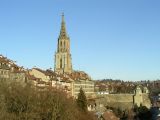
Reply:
x=64 y=44
x=61 y=63
x=61 y=44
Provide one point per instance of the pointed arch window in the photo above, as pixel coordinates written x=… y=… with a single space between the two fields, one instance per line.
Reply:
x=61 y=63
x=61 y=44
x=64 y=44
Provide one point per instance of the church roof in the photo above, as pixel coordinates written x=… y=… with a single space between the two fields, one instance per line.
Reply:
x=77 y=75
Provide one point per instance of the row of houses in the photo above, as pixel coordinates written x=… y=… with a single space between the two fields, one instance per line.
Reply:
x=70 y=83
x=10 y=71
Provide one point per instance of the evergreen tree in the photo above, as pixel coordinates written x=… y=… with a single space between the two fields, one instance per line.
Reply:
x=144 y=113
x=82 y=101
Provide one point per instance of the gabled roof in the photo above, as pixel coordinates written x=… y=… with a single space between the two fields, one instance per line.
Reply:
x=47 y=72
x=11 y=64
x=76 y=75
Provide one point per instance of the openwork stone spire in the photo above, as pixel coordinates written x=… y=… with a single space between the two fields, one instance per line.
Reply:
x=63 y=32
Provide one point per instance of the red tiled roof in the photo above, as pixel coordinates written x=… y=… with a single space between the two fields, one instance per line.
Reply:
x=109 y=115
x=11 y=64
x=47 y=72
x=79 y=75
x=32 y=77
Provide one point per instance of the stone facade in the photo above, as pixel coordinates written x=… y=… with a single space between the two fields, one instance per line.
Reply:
x=63 y=61
x=4 y=68
x=141 y=97
x=124 y=101
x=9 y=71
x=41 y=74
x=86 y=85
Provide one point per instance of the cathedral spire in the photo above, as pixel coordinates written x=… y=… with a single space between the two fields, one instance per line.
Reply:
x=63 y=32
x=63 y=60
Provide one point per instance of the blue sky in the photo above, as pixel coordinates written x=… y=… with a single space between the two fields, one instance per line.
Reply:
x=118 y=39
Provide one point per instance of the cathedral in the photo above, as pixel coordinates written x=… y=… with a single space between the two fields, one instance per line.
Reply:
x=63 y=60
x=63 y=65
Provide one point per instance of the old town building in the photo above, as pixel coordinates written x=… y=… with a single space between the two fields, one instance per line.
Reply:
x=9 y=71
x=70 y=83
x=4 y=68
x=82 y=80
x=45 y=78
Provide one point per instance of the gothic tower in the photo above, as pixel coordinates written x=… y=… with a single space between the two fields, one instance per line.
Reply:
x=63 y=63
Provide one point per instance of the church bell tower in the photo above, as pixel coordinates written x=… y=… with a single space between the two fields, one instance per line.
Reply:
x=63 y=62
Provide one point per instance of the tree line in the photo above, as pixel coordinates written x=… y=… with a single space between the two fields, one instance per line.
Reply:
x=19 y=102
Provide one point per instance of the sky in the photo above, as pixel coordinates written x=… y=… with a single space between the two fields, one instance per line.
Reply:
x=117 y=39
